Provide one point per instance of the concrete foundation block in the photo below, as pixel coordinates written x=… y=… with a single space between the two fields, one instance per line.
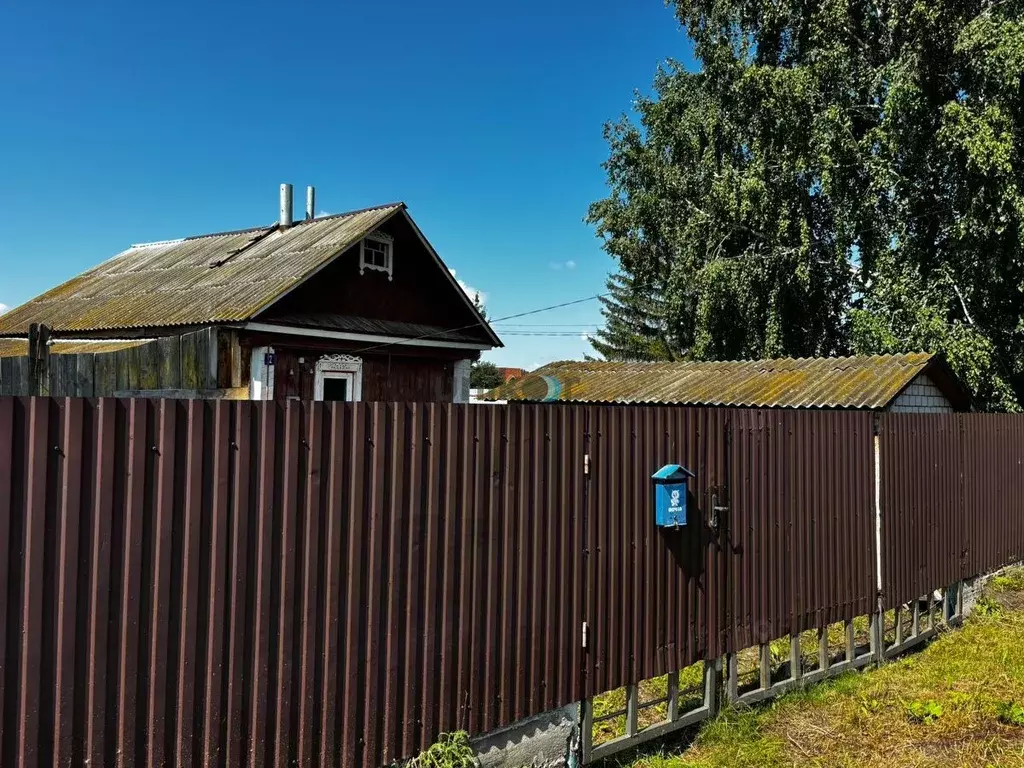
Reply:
x=541 y=741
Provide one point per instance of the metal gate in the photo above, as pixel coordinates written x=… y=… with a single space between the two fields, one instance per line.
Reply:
x=663 y=584
x=771 y=586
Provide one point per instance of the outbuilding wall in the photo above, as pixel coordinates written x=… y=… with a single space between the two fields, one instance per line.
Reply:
x=922 y=396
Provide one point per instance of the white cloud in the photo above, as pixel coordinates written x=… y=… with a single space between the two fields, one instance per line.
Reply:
x=469 y=289
x=321 y=214
x=558 y=266
x=570 y=264
x=3 y=308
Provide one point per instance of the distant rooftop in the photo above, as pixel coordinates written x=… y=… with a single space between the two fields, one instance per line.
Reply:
x=865 y=382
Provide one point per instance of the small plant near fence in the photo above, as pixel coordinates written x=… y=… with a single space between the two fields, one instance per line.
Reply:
x=1011 y=713
x=987 y=607
x=1010 y=581
x=451 y=750
x=924 y=711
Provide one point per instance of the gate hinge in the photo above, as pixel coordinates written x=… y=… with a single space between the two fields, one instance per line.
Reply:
x=584 y=634
x=586 y=464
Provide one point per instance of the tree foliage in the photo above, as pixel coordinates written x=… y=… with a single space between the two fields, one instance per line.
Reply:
x=485 y=375
x=636 y=324
x=836 y=177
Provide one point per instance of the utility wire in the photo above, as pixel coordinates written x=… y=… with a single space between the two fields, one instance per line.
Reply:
x=478 y=325
x=563 y=334
x=590 y=298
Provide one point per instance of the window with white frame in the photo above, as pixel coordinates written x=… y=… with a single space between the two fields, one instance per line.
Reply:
x=376 y=252
x=338 y=378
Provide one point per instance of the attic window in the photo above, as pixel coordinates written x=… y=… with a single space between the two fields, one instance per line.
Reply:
x=375 y=252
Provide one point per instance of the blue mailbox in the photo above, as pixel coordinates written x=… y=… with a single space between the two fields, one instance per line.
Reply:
x=670 y=495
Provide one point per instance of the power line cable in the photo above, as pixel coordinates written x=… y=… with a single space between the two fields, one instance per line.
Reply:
x=478 y=325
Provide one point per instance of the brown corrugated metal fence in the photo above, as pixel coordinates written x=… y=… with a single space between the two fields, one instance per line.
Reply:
x=226 y=583
x=952 y=498
x=801 y=522
x=240 y=584
x=993 y=475
x=653 y=600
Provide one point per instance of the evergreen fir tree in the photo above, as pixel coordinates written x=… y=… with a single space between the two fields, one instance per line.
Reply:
x=636 y=327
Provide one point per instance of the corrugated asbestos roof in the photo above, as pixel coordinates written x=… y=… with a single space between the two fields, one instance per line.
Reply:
x=19 y=347
x=226 y=277
x=842 y=382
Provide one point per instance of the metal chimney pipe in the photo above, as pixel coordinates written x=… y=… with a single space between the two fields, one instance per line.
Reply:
x=310 y=203
x=286 y=206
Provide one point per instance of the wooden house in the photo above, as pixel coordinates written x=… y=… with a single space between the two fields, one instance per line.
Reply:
x=355 y=306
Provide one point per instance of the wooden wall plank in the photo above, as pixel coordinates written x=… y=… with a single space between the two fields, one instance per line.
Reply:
x=104 y=374
x=86 y=380
x=123 y=367
x=169 y=361
x=187 y=372
x=6 y=377
x=150 y=365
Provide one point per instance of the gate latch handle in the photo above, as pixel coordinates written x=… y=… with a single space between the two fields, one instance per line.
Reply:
x=715 y=509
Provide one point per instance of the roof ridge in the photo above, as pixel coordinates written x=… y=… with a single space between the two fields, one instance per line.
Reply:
x=243 y=230
x=753 y=361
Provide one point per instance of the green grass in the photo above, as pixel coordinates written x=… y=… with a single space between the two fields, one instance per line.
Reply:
x=690 y=680
x=959 y=702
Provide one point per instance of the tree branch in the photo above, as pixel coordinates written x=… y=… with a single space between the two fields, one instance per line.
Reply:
x=963 y=302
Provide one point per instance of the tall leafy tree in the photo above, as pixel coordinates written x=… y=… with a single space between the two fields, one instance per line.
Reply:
x=836 y=176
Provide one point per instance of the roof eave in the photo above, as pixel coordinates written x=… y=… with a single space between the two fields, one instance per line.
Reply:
x=497 y=343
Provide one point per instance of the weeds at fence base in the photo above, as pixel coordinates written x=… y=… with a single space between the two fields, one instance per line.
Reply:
x=610 y=707
x=451 y=750
x=958 y=702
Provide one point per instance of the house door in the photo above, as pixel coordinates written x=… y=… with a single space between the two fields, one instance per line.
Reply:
x=338 y=378
x=336 y=387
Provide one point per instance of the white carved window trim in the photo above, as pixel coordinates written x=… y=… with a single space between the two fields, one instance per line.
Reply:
x=389 y=256
x=339 y=367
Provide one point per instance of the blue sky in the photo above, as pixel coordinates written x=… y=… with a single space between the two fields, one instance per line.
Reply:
x=145 y=121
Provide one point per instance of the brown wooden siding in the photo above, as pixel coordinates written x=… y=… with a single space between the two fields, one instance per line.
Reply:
x=418 y=293
x=386 y=378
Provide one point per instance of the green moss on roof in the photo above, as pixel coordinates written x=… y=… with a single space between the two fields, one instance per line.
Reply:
x=226 y=277
x=840 y=382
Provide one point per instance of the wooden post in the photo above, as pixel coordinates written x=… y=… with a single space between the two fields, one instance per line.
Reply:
x=38 y=360
x=673 y=696
x=712 y=675
x=795 y=670
x=765 y=653
x=877 y=649
x=823 y=660
x=586 y=728
x=733 y=675
x=632 y=710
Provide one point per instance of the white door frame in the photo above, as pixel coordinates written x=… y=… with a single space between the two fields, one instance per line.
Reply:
x=339 y=367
